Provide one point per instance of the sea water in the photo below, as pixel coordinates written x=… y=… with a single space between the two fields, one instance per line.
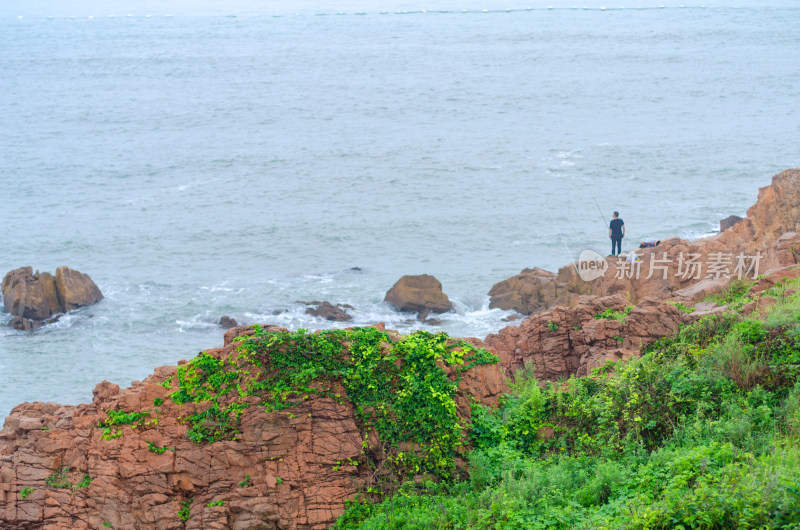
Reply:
x=208 y=159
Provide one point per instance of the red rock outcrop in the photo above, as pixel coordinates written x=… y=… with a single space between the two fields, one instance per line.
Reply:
x=529 y=292
x=284 y=471
x=566 y=341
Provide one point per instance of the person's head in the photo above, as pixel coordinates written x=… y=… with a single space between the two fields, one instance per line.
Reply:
x=616 y=214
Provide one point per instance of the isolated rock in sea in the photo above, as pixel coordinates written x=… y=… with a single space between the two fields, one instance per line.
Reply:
x=415 y=294
x=565 y=341
x=530 y=291
x=39 y=296
x=728 y=222
x=328 y=311
x=75 y=289
x=290 y=468
x=29 y=295
x=227 y=322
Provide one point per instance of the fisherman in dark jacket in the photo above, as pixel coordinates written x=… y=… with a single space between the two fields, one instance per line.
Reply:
x=616 y=231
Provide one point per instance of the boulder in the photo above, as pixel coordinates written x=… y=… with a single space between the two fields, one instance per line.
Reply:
x=328 y=311
x=75 y=289
x=530 y=291
x=415 y=294
x=227 y=322
x=38 y=296
x=29 y=295
x=728 y=222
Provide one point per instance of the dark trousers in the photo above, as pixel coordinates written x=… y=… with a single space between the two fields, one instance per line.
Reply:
x=616 y=244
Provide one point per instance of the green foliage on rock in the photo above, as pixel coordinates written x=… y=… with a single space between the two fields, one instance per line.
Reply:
x=404 y=389
x=702 y=431
x=120 y=417
x=610 y=314
x=60 y=479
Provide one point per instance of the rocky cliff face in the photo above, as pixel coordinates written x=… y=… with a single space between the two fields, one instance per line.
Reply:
x=125 y=459
x=566 y=341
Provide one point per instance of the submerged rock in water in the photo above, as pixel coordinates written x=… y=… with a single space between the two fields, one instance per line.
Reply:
x=328 y=311
x=227 y=322
x=416 y=294
x=38 y=296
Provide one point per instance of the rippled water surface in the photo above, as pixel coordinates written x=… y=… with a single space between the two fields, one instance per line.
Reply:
x=234 y=160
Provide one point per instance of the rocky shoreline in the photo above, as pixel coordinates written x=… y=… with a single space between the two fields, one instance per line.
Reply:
x=65 y=467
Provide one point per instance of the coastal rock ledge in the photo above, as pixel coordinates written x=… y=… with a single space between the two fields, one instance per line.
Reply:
x=127 y=460
x=33 y=298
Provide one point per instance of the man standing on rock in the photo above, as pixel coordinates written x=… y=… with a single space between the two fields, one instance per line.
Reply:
x=616 y=231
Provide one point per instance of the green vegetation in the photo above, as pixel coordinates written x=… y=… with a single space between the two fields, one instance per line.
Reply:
x=737 y=295
x=24 y=492
x=216 y=503
x=107 y=524
x=153 y=448
x=120 y=417
x=404 y=389
x=60 y=479
x=552 y=325
x=702 y=431
x=246 y=482
x=158 y=402
x=610 y=314
x=682 y=307
x=183 y=513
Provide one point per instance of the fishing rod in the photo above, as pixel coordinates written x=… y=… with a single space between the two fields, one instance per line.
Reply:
x=601 y=212
x=569 y=252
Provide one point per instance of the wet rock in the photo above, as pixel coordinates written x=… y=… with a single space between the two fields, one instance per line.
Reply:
x=227 y=322
x=328 y=311
x=24 y=324
x=415 y=294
